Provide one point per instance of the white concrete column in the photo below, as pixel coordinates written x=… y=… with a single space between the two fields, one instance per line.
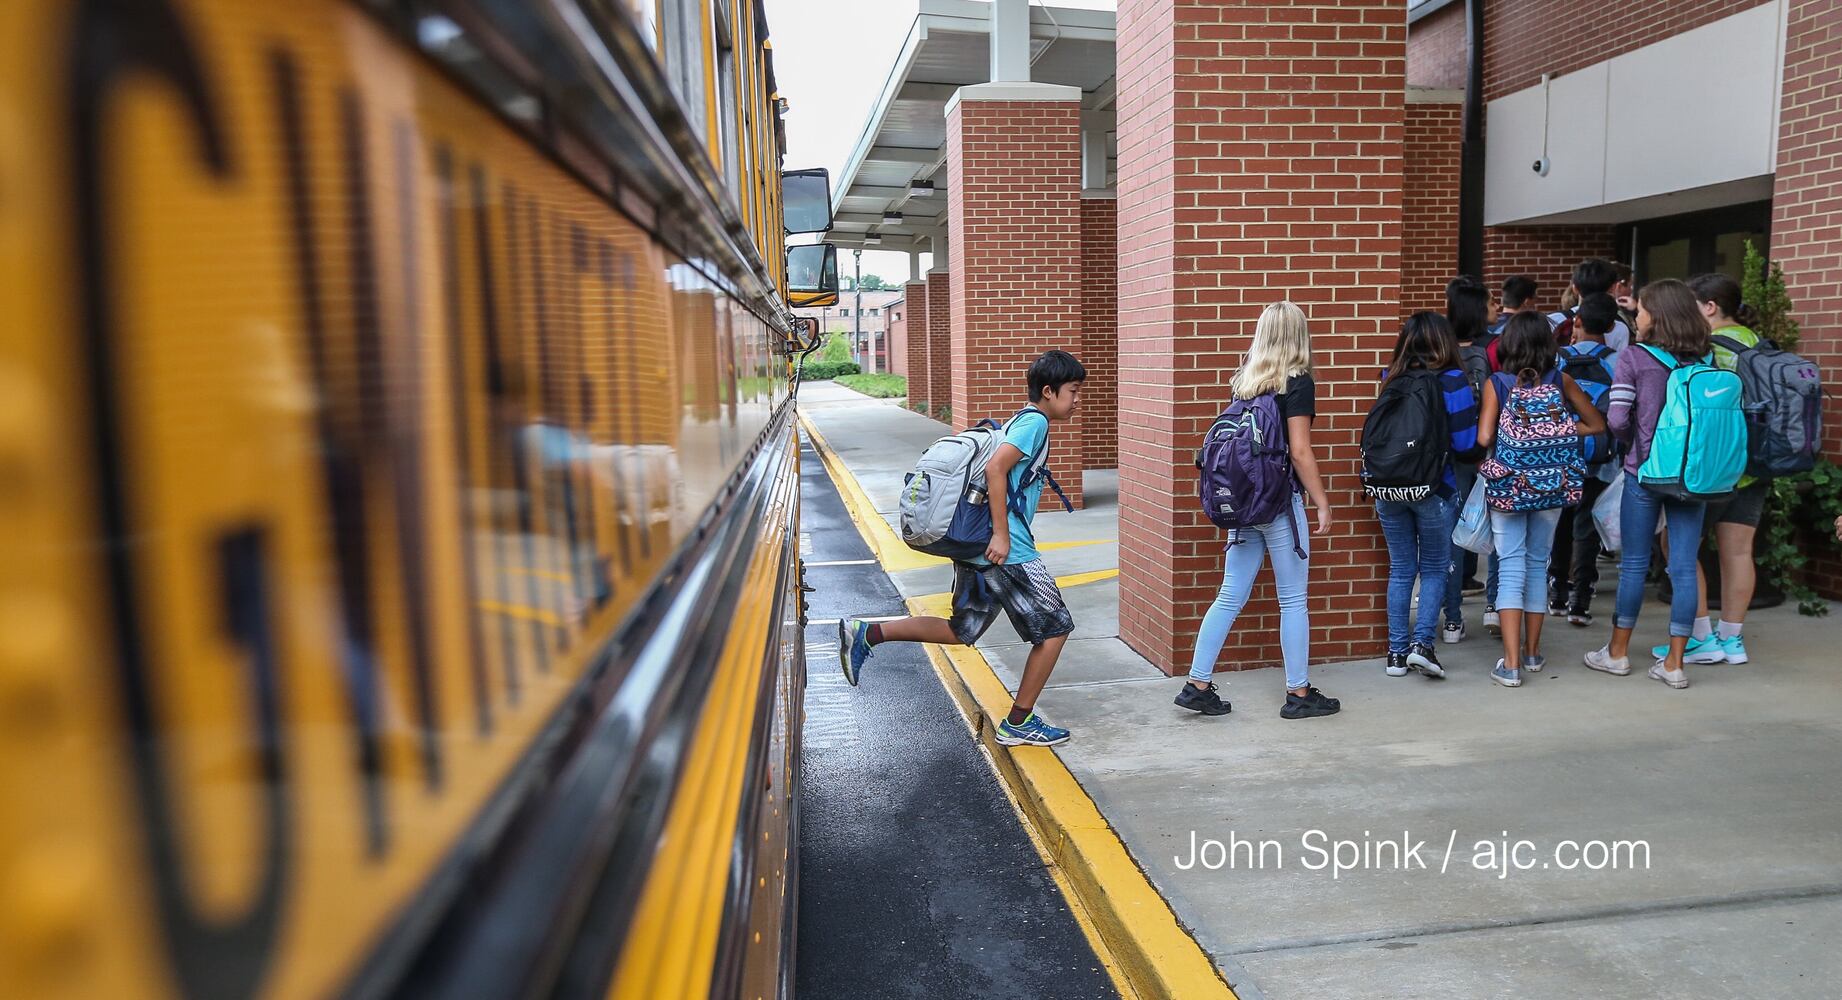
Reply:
x=914 y=265
x=1010 y=41
x=939 y=244
x=1094 y=128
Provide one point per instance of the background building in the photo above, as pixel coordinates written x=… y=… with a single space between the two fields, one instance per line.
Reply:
x=842 y=318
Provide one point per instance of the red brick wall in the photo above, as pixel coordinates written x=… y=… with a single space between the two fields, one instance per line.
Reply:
x=1429 y=198
x=1545 y=253
x=1260 y=159
x=1525 y=38
x=915 y=320
x=1014 y=209
x=1807 y=211
x=1100 y=330
x=1436 y=52
x=939 y=343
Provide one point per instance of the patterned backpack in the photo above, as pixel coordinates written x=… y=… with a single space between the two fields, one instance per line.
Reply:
x=1537 y=463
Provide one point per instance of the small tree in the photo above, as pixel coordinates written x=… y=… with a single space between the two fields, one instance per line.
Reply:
x=1763 y=289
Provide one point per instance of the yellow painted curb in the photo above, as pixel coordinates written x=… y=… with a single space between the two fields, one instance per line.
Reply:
x=1132 y=928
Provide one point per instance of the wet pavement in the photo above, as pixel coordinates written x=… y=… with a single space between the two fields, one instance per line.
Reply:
x=917 y=878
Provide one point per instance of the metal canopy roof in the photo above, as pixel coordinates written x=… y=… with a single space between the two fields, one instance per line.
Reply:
x=905 y=138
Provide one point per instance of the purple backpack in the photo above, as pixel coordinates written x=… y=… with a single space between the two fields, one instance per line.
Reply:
x=1246 y=470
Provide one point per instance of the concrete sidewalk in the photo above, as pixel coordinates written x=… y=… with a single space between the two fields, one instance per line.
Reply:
x=1731 y=788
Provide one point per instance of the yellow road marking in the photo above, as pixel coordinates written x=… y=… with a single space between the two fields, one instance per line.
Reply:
x=1132 y=929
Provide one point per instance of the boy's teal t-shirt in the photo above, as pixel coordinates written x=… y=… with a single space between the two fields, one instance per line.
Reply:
x=1028 y=433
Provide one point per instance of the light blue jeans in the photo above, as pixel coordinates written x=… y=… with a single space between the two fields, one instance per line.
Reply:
x=1637 y=522
x=1523 y=542
x=1419 y=537
x=1247 y=549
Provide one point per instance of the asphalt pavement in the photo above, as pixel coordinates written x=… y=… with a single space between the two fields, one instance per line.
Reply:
x=917 y=878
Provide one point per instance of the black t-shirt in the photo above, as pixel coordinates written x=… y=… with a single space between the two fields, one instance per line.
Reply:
x=1300 y=398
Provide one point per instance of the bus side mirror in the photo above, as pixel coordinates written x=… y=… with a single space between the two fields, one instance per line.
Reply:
x=805 y=198
x=805 y=334
x=812 y=275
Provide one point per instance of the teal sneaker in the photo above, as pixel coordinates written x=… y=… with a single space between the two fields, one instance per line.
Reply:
x=1699 y=651
x=1032 y=732
x=853 y=648
x=1735 y=648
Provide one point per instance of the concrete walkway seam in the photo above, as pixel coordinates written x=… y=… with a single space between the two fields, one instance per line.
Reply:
x=1137 y=931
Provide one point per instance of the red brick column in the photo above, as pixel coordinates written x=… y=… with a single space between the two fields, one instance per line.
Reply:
x=915 y=319
x=1014 y=209
x=1259 y=159
x=1100 y=329
x=1806 y=204
x=1433 y=136
x=939 y=343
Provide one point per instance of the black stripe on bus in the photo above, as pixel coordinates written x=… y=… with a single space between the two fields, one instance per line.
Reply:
x=465 y=536
x=403 y=410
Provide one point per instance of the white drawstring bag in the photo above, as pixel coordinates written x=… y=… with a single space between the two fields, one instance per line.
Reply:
x=1473 y=531
x=1606 y=513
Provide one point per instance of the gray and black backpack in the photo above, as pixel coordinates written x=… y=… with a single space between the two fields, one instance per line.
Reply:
x=945 y=510
x=1783 y=396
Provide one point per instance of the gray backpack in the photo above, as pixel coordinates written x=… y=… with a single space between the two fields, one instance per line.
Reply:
x=944 y=508
x=1783 y=396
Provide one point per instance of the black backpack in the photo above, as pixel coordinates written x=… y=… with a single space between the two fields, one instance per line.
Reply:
x=1405 y=440
x=1475 y=357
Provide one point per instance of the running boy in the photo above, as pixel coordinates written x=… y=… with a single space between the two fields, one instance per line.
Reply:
x=1011 y=576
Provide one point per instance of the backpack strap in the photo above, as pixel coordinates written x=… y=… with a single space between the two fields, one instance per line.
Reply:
x=1039 y=469
x=1664 y=358
x=1734 y=345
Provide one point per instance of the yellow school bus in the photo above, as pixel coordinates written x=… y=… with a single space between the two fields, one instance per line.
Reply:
x=399 y=577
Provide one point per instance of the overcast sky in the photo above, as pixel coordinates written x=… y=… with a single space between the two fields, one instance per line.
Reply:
x=831 y=58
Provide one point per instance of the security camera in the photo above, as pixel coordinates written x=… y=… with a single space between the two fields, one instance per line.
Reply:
x=1541 y=166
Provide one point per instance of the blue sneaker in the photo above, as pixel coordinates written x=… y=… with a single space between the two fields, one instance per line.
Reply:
x=1033 y=732
x=1533 y=664
x=1509 y=677
x=1735 y=648
x=1699 y=651
x=853 y=648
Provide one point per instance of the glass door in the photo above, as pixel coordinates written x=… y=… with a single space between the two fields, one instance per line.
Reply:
x=1681 y=246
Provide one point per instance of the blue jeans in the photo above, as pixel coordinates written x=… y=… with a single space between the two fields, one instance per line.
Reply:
x=1419 y=539
x=1523 y=541
x=1637 y=523
x=1247 y=549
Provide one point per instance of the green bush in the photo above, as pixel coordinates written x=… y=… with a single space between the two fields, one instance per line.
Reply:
x=837 y=350
x=823 y=371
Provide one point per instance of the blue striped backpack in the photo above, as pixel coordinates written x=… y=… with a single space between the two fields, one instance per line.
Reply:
x=1537 y=463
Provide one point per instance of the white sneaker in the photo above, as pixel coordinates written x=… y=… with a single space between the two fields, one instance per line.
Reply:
x=1454 y=632
x=1674 y=678
x=1492 y=623
x=1603 y=661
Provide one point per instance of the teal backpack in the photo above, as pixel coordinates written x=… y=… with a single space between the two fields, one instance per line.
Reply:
x=1699 y=450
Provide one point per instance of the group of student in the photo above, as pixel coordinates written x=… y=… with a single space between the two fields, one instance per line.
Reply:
x=1507 y=400
x=1589 y=381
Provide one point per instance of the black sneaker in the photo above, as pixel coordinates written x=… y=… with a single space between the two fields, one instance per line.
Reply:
x=1424 y=660
x=1580 y=617
x=1203 y=700
x=1558 y=601
x=1397 y=665
x=1308 y=705
x=1471 y=587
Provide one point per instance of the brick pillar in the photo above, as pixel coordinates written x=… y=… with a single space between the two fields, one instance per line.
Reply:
x=1433 y=139
x=1259 y=160
x=1014 y=209
x=915 y=318
x=1100 y=329
x=939 y=343
x=1806 y=202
